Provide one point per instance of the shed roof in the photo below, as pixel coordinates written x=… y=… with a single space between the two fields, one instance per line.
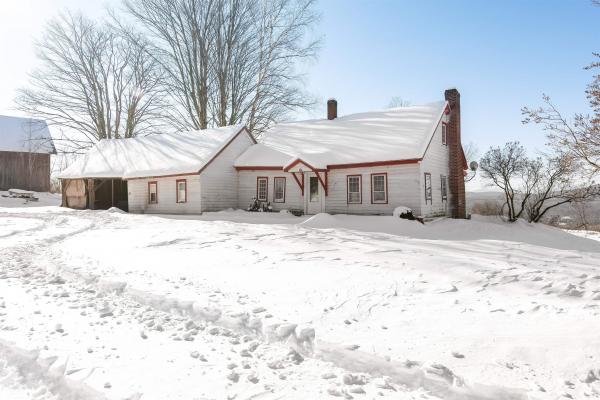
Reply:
x=154 y=155
x=28 y=135
x=394 y=134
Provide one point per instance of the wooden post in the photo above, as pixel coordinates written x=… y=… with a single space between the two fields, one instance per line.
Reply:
x=63 y=186
x=112 y=195
x=91 y=195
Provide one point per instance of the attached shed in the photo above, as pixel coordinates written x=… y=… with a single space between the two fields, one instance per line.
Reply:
x=179 y=173
x=25 y=149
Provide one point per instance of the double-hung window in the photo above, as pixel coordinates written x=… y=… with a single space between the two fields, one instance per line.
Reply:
x=262 y=187
x=353 y=187
x=428 y=194
x=152 y=192
x=279 y=190
x=181 y=185
x=379 y=188
x=444 y=134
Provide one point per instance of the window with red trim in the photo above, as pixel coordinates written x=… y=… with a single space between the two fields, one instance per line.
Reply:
x=428 y=194
x=444 y=187
x=152 y=192
x=262 y=188
x=181 y=185
x=379 y=188
x=353 y=189
x=279 y=190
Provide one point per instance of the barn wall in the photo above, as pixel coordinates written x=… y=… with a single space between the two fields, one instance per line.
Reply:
x=74 y=195
x=21 y=170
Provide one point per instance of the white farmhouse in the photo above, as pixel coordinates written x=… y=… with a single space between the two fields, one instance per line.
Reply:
x=366 y=163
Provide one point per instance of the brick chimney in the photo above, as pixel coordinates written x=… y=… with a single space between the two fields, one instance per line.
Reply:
x=331 y=109
x=456 y=180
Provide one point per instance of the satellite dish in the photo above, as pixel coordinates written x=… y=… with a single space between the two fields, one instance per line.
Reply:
x=473 y=165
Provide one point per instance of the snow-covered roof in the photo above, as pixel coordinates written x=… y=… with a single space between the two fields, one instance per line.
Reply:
x=394 y=134
x=25 y=135
x=154 y=155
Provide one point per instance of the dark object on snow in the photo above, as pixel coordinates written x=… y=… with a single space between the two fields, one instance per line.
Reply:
x=410 y=216
x=259 y=206
x=296 y=212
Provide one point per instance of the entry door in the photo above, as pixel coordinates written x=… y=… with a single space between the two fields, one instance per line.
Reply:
x=314 y=196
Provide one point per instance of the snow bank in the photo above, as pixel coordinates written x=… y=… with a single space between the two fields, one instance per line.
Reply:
x=45 y=199
x=476 y=229
x=41 y=373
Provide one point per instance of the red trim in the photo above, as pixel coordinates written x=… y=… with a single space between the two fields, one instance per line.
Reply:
x=177 y=190
x=298 y=161
x=225 y=146
x=386 y=187
x=258 y=178
x=298 y=182
x=259 y=168
x=149 y=197
x=359 y=189
x=275 y=188
x=375 y=163
x=154 y=177
x=315 y=170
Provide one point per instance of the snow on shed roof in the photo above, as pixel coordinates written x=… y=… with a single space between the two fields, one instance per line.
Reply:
x=25 y=135
x=155 y=155
x=394 y=134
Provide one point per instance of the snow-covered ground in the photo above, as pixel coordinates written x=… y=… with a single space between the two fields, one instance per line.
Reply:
x=44 y=199
x=108 y=305
x=586 y=234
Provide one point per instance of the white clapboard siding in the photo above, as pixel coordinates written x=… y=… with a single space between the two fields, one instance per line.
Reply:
x=247 y=189
x=167 y=198
x=219 y=180
x=435 y=161
x=403 y=190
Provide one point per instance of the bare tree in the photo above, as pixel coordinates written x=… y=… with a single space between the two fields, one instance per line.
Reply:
x=504 y=166
x=93 y=82
x=579 y=134
x=558 y=183
x=397 y=101
x=230 y=61
x=534 y=186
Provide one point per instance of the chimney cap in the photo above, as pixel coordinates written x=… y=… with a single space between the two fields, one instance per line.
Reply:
x=331 y=109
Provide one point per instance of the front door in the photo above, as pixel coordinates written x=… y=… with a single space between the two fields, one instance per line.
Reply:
x=314 y=196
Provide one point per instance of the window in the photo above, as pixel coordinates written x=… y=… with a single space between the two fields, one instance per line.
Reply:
x=152 y=192
x=444 y=134
x=379 y=188
x=262 y=187
x=279 y=190
x=181 y=190
x=353 y=187
x=313 y=183
x=428 y=197
x=444 y=188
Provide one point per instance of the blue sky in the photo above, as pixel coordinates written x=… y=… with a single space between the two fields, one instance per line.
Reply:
x=500 y=55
